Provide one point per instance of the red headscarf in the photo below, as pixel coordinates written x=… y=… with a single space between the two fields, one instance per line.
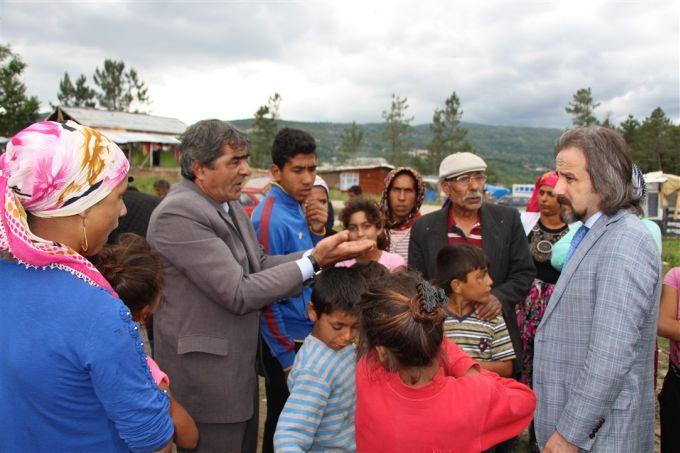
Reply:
x=546 y=179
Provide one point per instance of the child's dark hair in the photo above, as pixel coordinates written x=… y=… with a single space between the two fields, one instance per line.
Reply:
x=373 y=214
x=455 y=262
x=371 y=271
x=337 y=288
x=393 y=316
x=134 y=271
x=289 y=143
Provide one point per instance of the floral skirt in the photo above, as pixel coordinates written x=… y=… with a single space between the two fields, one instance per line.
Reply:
x=529 y=315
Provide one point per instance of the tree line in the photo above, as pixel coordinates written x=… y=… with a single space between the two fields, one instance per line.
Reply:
x=654 y=141
x=115 y=88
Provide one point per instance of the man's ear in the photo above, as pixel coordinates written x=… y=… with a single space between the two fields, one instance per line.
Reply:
x=311 y=312
x=276 y=172
x=445 y=187
x=198 y=169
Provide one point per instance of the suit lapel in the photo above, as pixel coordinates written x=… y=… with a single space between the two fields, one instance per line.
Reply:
x=238 y=230
x=243 y=227
x=572 y=266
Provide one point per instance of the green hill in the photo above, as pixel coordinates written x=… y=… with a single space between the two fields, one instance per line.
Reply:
x=514 y=154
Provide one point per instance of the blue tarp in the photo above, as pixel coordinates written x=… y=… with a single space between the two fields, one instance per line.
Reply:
x=497 y=191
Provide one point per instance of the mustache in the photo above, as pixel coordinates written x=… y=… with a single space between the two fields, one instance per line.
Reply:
x=472 y=196
x=563 y=201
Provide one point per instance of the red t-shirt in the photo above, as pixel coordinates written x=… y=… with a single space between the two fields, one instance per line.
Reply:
x=456 y=235
x=453 y=413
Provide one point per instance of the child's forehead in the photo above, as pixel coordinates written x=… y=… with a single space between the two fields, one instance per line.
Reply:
x=338 y=315
x=478 y=270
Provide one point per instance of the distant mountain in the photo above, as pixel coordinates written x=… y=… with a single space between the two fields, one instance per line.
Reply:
x=514 y=154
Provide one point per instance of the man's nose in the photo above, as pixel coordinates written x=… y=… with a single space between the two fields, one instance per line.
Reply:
x=308 y=177
x=559 y=187
x=245 y=170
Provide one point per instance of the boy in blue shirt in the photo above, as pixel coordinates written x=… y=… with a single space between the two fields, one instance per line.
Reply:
x=282 y=228
x=319 y=413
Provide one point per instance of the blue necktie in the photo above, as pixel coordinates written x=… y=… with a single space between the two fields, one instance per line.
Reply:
x=576 y=240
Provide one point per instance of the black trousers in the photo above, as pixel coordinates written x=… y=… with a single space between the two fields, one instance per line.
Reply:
x=276 y=389
x=669 y=411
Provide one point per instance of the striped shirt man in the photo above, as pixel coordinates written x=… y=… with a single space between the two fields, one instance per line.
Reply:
x=319 y=413
x=484 y=341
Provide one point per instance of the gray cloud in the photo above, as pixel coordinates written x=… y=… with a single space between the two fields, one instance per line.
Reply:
x=513 y=63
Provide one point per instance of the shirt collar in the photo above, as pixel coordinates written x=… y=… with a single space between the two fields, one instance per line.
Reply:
x=225 y=206
x=592 y=219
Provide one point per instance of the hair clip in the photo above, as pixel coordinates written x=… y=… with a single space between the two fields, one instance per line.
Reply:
x=433 y=298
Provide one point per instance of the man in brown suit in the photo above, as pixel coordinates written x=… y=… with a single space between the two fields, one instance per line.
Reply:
x=217 y=278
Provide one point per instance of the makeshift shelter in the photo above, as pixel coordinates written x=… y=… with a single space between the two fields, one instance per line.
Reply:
x=663 y=201
x=366 y=172
x=148 y=140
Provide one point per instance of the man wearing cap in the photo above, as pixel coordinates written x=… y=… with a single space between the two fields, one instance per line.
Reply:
x=497 y=230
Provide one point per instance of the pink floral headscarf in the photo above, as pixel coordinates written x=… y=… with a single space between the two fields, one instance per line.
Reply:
x=55 y=170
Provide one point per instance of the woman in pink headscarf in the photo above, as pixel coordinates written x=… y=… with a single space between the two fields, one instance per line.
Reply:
x=74 y=372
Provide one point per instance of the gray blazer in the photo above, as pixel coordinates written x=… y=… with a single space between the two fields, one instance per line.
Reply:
x=594 y=348
x=216 y=280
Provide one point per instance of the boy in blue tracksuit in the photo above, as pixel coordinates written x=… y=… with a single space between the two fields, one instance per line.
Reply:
x=282 y=228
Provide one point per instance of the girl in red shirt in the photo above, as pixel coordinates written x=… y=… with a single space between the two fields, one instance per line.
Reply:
x=416 y=391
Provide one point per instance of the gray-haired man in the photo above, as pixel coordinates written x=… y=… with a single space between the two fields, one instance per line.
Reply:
x=217 y=279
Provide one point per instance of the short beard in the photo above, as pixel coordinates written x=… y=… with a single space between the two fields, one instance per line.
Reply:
x=567 y=212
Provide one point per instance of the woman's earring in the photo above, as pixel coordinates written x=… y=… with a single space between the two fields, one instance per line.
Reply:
x=83 y=242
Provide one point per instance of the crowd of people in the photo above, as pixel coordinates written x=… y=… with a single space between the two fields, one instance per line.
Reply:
x=450 y=331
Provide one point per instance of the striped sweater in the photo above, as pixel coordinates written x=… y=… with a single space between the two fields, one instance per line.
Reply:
x=484 y=341
x=319 y=413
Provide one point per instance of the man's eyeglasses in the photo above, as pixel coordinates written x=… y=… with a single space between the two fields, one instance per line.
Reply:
x=465 y=180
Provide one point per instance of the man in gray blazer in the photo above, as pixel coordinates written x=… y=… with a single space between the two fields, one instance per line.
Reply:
x=594 y=360
x=217 y=278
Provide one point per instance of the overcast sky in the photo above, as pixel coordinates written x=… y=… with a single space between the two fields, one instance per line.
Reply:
x=511 y=63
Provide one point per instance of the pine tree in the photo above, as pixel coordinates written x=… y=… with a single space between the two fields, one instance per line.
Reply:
x=581 y=108
x=398 y=127
x=119 y=90
x=78 y=95
x=352 y=139
x=17 y=110
x=263 y=131
x=448 y=136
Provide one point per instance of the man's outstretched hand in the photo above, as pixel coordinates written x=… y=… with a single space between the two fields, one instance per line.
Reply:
x=339 y=248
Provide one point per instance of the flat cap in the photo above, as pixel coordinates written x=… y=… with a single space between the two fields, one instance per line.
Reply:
x=459 y=163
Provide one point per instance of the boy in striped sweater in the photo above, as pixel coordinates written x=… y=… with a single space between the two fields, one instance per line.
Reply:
x=462 y=272
x=319 y=413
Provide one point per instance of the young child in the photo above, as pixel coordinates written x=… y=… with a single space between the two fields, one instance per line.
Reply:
x=418 y=391
x=319 y=413
x=135 y=272
x=364 y=220
x=462 y=272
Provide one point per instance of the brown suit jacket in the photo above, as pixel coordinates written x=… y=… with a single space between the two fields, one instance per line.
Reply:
x=217 y=278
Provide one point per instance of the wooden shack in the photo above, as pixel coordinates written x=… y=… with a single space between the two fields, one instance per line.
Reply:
x=366 y=172
x=148 y=140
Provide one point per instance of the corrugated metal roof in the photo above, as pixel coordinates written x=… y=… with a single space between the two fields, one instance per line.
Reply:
x=138 y=137
x=359 y=163
x=139 y=122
